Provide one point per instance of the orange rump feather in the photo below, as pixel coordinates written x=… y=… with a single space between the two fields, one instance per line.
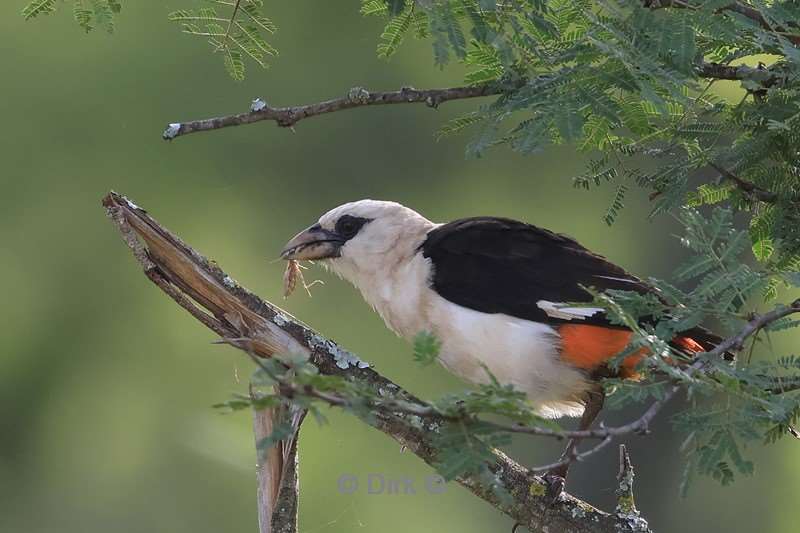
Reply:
x=589 y=347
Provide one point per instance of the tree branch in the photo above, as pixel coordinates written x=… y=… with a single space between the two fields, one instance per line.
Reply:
x=277 y=471
x=625 y=500
x=215 y=299
x=573 y=457
x=753 y=326
x=360 y=97
x=735 y=7
x=356 y=97
x=750 y=188
x=718 y=71
x=277 y=468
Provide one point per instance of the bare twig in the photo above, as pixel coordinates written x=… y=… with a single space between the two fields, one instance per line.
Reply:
x=232 y=312
x=573 y=456
x=356 y=97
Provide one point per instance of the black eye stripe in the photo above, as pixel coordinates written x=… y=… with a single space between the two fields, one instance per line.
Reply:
x=348 y=226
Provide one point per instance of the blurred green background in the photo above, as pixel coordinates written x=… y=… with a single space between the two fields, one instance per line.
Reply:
x=106 y=386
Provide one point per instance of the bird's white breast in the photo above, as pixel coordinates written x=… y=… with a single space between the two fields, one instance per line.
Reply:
x=516 y=351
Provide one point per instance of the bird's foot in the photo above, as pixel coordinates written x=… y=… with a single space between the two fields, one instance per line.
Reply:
x=555 y=486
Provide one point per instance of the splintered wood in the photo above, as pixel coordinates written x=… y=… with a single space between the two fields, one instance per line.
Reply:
x=294 y=272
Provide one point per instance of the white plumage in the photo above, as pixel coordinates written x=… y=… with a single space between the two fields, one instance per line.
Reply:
x=384 y=262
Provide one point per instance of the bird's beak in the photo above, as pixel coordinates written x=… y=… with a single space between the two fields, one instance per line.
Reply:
x=313 y=243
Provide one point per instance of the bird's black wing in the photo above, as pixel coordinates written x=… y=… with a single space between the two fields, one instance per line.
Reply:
x=498 y=265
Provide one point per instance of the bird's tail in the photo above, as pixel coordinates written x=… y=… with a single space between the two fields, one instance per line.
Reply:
x=699 y=339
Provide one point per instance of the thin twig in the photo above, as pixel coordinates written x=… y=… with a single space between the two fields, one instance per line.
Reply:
x=356 y=97
x=574 y=456
x=230 y=22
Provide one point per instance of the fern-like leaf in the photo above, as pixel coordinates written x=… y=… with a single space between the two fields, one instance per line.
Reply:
x=457 y=125
x=237 y=35
x=707 y=194
x=616 y=204
x=394 y=32
x=374 y=7
x=38 y=7
x=82 y=15
x=486 y=61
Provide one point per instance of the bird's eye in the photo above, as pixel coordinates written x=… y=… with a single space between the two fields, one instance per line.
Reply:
x=348 y=226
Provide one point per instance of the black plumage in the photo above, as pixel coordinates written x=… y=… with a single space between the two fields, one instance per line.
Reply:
x=499 y=265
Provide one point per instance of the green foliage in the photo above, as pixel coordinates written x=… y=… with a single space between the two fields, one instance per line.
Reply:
x=621 y=392
x=38 y=7
x=731 y=404
x=236 y=29
x=426 y=348
x=280 y=432
x=457 y=124
x=238 y=32
x=395 y=30
x=635 y=84
x=89 y=14
x=708 y=194
x=616 y=204
x=487 y=63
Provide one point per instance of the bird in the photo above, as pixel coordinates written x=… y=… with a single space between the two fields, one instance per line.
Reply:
x=498 y=294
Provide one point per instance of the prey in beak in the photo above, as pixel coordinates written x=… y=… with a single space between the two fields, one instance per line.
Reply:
x=313 y=243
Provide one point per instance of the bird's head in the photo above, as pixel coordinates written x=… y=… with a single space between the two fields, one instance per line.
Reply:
x=360 y=237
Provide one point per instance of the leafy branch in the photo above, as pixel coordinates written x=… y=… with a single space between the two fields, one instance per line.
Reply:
x=242 y=33
x=260 y=110
x=236 y=29
x=739 y=8
x=89 y=14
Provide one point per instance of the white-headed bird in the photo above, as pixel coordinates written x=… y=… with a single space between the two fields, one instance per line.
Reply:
x=493 y=291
